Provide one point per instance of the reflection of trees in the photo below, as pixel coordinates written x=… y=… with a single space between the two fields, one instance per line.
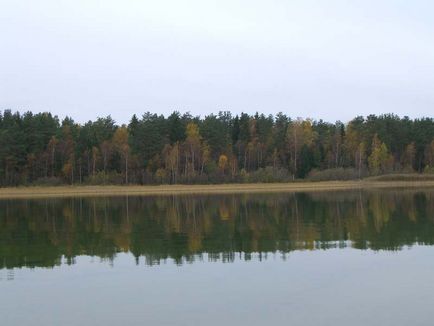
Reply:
x=41 y=232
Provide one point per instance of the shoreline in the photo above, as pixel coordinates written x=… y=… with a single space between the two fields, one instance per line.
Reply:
x=137 y=190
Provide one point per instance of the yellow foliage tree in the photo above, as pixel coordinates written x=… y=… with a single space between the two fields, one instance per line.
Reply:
x=120 y=142
x=223 y=162
x=380 y=159
x=429 y=156
x=193 y=146
x=409 y=156
x=299 y=133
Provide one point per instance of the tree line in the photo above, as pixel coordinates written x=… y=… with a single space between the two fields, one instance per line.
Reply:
x=181 y=148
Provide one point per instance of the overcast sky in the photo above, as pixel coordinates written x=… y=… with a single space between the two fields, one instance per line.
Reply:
x=322 y=59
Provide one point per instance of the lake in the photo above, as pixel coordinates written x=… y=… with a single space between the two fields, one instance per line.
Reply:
x=362 y=257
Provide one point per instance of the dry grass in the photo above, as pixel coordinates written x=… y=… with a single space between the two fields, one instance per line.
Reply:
x=69 y=191
x=402 y=177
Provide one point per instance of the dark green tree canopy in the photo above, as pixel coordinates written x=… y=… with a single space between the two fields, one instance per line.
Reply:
x=152 y=148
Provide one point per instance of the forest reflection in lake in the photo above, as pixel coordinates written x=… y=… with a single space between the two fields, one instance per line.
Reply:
x=47 y=232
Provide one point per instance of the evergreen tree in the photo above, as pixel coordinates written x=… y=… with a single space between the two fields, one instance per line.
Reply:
x=36 y=147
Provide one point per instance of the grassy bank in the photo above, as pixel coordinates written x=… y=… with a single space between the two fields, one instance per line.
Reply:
x=68 y=191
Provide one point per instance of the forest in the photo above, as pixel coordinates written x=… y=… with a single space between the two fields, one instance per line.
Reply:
x=41 y=149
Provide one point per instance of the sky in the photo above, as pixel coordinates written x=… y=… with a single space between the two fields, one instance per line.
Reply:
x=330 y=60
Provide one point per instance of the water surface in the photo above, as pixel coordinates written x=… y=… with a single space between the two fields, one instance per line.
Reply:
x=329 y=258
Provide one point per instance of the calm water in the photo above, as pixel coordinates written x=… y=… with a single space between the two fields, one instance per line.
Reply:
x=343 y=258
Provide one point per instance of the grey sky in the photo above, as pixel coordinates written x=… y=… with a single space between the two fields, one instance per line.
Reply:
x=322 y=59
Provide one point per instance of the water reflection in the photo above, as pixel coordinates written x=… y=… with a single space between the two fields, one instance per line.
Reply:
x=46 y=233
